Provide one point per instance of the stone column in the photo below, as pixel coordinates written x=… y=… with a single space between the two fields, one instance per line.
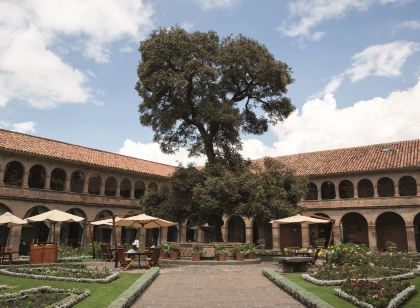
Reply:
x=14 y=239
x=375 y=191
x=249 y=230
x=55 y=238
x=275 y=229
x=356 y=192
x=183 y=232
x=200 y=235
x=164 y=235
x=373 y=241
x=225 y=230
x=118 y=235
x=132 y=192
x=411 y=238
x=337 y=190
x=118 y=194
x=418 y=186
x=2 y=175
x=25 y=180
x=48 y=181
x=86 y=185
x=397 y=188
x=337 y=234
x=102 y=188
x=305 y=235
x=67 y=184
x=319 y=192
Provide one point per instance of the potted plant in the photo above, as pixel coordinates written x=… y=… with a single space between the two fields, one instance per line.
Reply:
x=173 y=252
x=165 y=250
x=220 y=252
x=196 y=252
x=261 y=243
x=250 y=251
x=238 y=252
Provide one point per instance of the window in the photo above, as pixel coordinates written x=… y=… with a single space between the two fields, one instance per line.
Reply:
x=386 y=187
x=58 y=179
x=365 y=189
x=312 y=193
x=125 y=188
x=346 y=189
x=111 y=186
x=13 y=174
x=36 y=177
x=139 y=189
x=328 y=190
x=94 y=185
x=407 y=186
x=77 y=181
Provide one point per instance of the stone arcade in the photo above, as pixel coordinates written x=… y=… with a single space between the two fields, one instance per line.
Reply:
x=372 y=193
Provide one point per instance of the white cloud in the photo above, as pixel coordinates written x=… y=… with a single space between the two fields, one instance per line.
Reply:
x=187 y=26
x=36 y=35
x=381 y=60
x=217 y=4
x=384 y=60
x=305 y=15
x=21 y=127
x=321 y=125
x=151 y=151
x=408 y=24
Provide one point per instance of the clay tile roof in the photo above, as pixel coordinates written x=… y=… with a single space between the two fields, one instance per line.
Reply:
x=17 y=142
x=379 y=157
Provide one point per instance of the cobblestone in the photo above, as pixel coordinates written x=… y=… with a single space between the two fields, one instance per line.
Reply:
x=214 y=286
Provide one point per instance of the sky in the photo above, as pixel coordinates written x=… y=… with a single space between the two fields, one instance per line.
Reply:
x=68 y=69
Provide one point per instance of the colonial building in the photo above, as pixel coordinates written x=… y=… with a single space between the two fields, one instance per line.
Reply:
x=38 y=174
x=371 y=193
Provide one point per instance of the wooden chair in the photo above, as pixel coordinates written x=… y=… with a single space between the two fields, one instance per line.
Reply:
x=107 y=252
x=124 y=261
x=154 y=258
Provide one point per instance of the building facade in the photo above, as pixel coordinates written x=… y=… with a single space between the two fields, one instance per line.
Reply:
x=371 y=194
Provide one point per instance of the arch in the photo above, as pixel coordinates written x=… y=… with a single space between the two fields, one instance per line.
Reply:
x=77 y=181
x=416 y=224
x=152 y=237
x=111 y=186
x=191 y=235
x=139 y=189
x=34 y=232
x=58 y=179
x=327 y=190
x=236 y=229
x=4 y=229
x=13 y=174
x=390 y=226
x=102 y=234
x=312 y=192
x=36 y=177
x=172 y=235
x=355 y=228
x=262 y=230
x=346 y=189
x=319 y=234
x=407 y=186
x=94 y=184
x=386 y=187
x=365 y=189
x=152 y=188
x=125 y=188
x=73 y=233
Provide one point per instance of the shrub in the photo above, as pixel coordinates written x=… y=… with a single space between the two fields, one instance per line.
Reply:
x=197 y=249
x=250 y=248
x=238 y=249
x=219 y=249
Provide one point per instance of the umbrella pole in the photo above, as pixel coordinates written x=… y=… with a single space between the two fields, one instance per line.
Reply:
x=331 y=234
x=92 y=242
x=115 y=241
x=53 y=239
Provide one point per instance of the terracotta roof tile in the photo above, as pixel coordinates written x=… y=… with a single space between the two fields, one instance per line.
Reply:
x=371 y=158
x=17 y=142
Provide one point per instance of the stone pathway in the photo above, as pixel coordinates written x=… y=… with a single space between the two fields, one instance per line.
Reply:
x=214 y=286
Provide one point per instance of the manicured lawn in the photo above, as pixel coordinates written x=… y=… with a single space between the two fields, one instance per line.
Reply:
x=327 y=293
x=102 y=294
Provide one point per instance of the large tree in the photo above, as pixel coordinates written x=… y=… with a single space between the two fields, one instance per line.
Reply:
x=200 y=91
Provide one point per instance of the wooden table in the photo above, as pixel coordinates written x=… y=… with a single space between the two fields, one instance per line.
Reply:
x=138 y=253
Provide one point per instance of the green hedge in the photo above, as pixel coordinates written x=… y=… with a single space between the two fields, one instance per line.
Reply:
x=306 y=298
x=128 y=297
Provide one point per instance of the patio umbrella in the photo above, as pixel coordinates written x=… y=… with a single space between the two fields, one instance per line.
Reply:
x=55 y=216
x=9 y=219
x=301 y=219
x=104 y=222
x=143 y=221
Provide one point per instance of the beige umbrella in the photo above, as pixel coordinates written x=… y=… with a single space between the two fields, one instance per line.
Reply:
x=55 y=216
x=9 y=219
x=143 y=221
x=301 y=219
x=106 y=222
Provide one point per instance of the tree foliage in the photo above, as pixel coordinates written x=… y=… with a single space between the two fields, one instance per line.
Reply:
x=200 y=91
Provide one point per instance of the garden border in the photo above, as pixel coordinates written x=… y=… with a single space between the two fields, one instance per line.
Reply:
x=337 y=282
x=68 y=301
x=126 y=298
x=305 y=297
x=395 y=302
x=107 y=279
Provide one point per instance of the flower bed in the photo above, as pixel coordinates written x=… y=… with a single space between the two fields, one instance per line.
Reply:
x=381 y=293
x=64 y=272
x=336 y=282
x=43 y=297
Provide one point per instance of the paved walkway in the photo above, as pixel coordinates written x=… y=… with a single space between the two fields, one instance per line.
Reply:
x=214 y=286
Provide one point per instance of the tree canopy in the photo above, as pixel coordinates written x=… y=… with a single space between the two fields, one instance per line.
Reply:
x=200 y=91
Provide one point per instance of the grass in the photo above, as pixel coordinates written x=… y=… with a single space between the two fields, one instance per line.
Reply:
x=102 y=294
x=328 y=295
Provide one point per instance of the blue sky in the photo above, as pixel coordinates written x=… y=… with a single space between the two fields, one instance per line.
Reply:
x=68 y=69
